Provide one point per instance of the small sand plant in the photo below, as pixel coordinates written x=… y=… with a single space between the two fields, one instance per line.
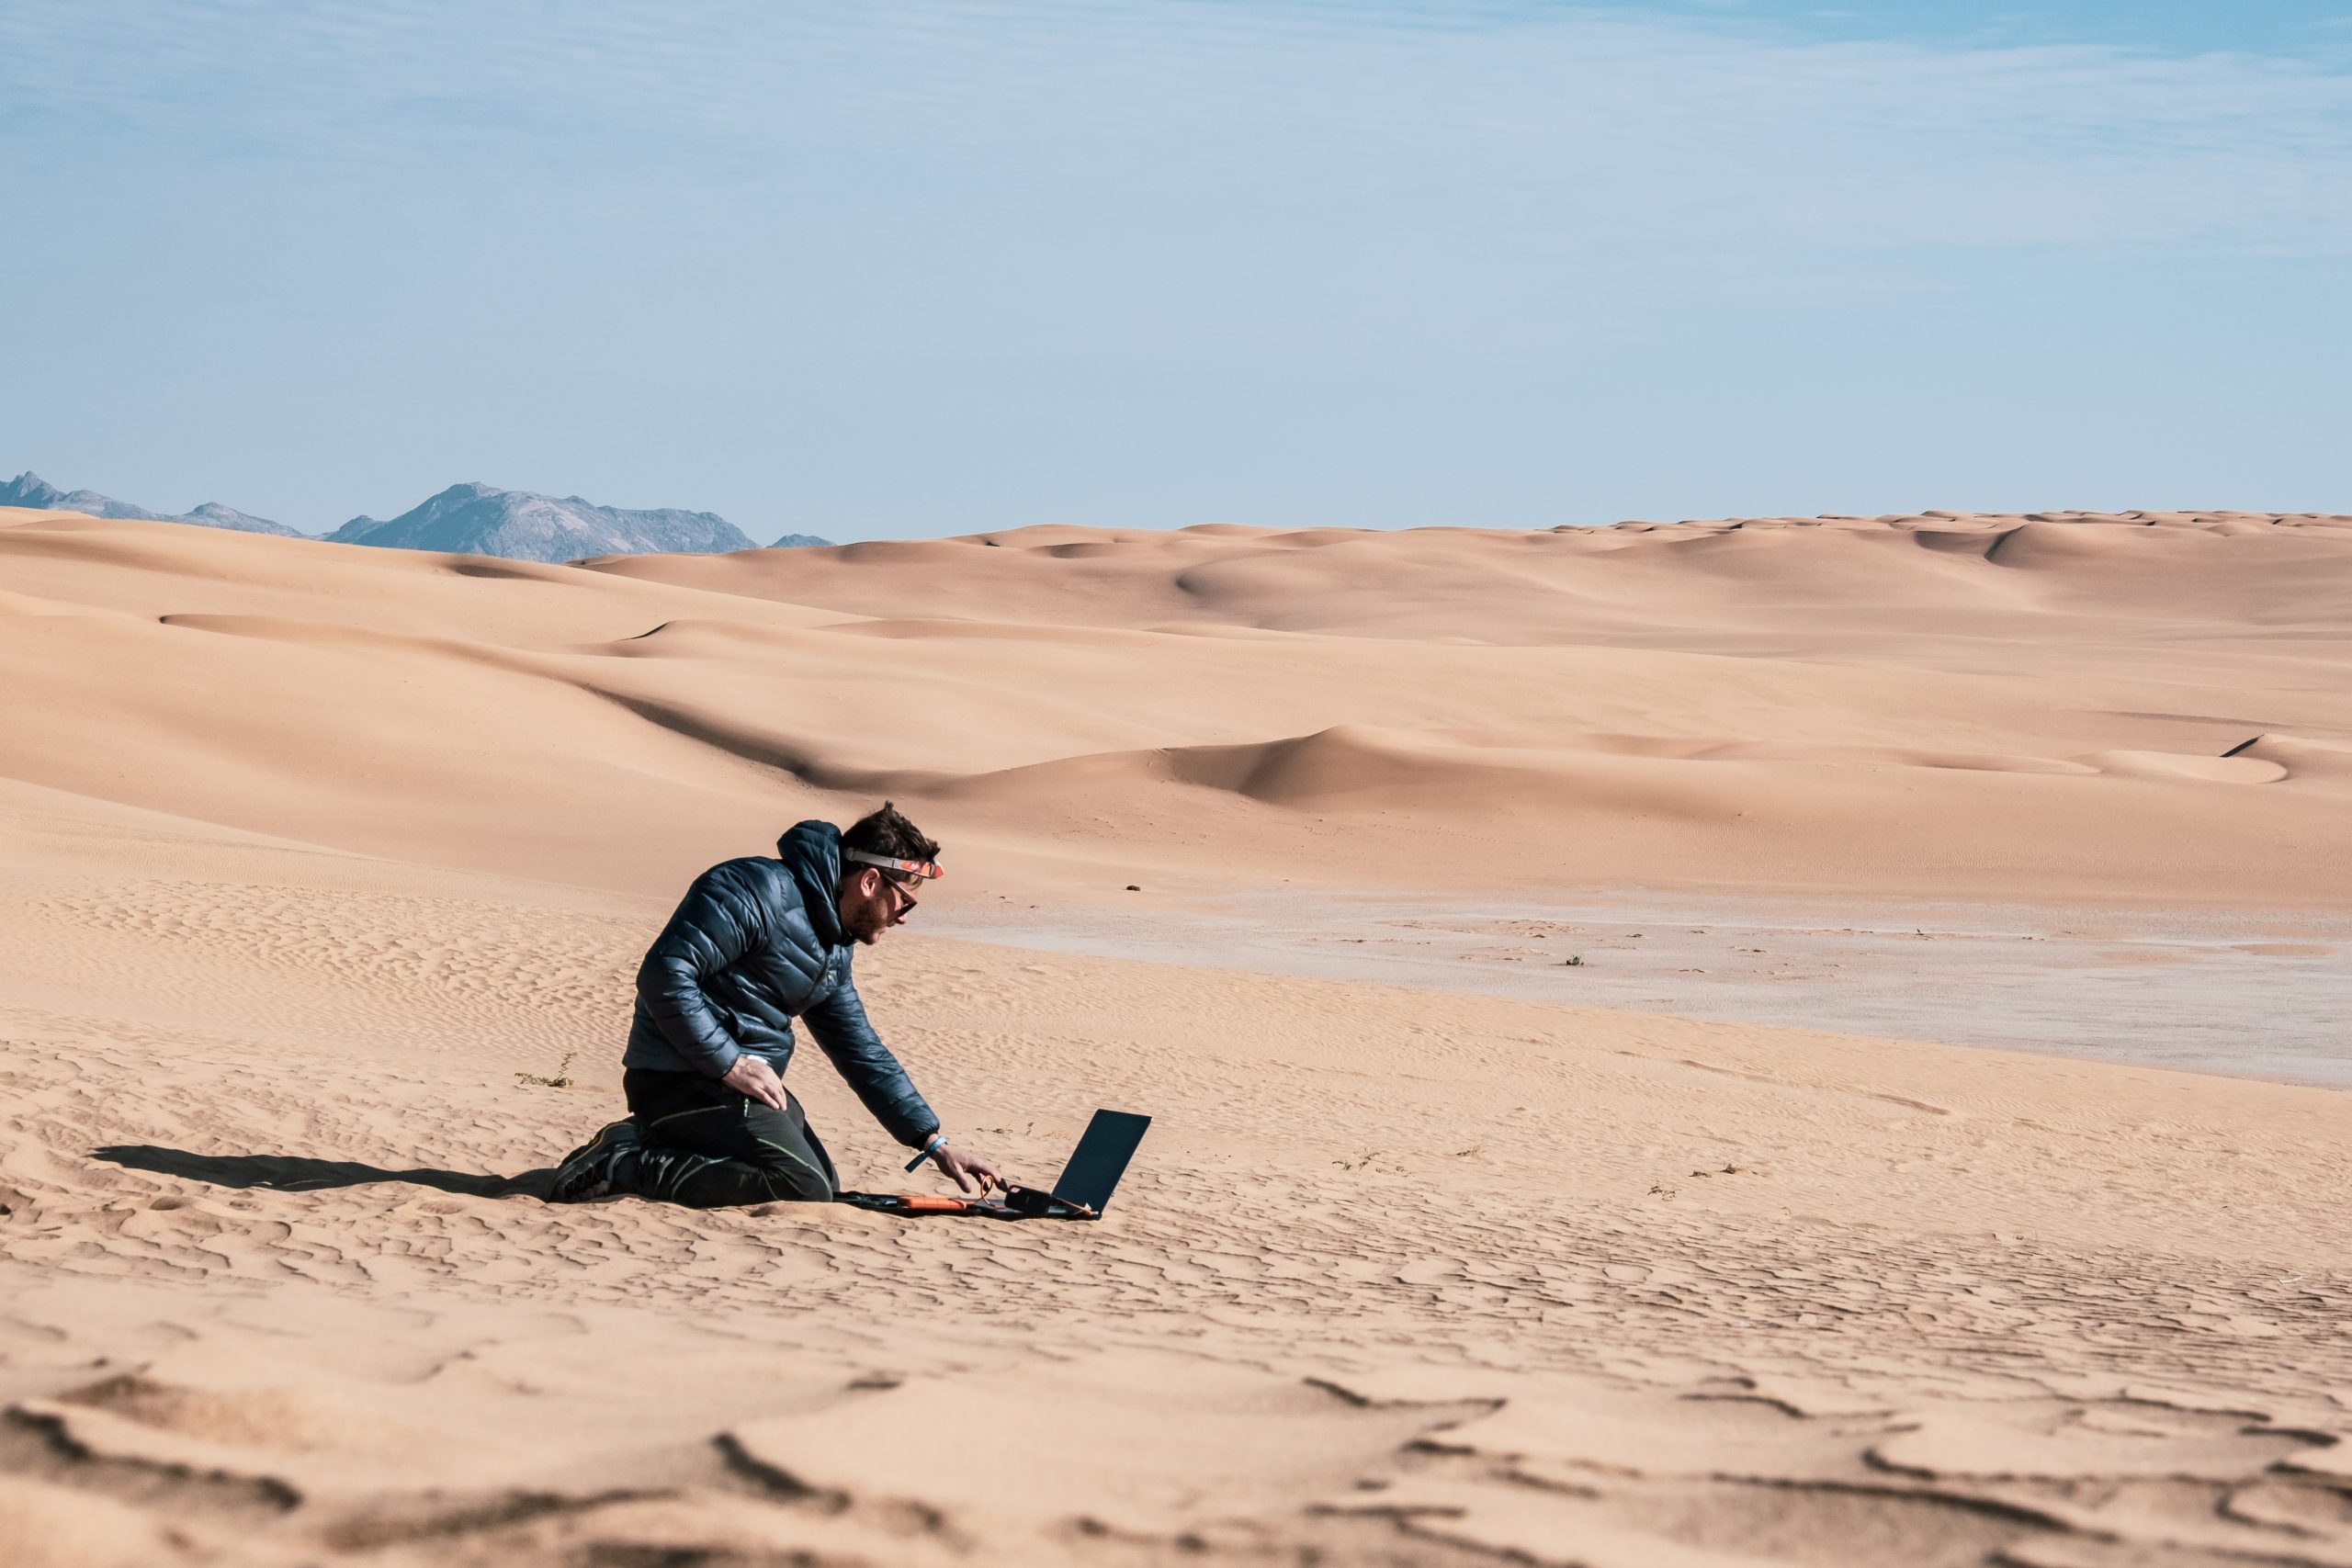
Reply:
x=562 y=1079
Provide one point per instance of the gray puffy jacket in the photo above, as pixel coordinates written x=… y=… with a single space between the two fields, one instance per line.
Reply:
x=756 y=942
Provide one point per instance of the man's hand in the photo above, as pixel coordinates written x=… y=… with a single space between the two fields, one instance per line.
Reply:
x=754 y=1079
x=972 y=1173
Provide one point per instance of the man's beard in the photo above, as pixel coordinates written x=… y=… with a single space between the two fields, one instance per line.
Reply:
x=867 y=924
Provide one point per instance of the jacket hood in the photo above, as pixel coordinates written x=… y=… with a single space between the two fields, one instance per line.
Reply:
x=811 y=852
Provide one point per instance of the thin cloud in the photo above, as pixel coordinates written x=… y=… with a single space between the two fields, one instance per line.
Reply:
x=1588 y=128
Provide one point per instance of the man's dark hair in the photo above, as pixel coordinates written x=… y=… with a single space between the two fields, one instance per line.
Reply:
x=888 y=833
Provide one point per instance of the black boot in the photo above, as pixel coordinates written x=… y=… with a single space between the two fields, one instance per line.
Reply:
x=586 y=1171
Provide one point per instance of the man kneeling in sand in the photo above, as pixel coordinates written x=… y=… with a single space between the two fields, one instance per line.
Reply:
x=756 y=941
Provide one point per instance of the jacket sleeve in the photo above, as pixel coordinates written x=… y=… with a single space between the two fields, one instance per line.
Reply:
x=717 y=922
x=838 y=1026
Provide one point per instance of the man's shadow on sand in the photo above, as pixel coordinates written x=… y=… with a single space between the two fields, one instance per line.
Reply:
x=293 y=1173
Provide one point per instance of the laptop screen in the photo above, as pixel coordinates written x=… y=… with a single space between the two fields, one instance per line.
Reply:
x=1101 y=1158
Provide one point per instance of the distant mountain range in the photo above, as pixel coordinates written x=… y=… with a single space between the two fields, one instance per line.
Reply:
x=475 y=519
x=28 y=489
x=466 y=519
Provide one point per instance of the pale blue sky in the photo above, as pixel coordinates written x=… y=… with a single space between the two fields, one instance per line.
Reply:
x=874 y=269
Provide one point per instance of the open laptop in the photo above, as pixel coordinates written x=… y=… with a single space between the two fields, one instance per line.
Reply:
x=1082 y=1191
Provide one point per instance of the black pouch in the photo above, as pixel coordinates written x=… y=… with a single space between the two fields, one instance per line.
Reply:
x=1032 y=1204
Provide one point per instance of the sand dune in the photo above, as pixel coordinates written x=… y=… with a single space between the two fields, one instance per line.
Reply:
x=325 y=865
x=1588 y=585
x=1830 y=706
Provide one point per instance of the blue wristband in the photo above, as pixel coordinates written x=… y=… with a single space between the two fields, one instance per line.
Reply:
x=937 y=1139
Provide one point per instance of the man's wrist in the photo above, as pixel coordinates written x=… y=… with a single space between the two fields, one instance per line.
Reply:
x=931 y=1145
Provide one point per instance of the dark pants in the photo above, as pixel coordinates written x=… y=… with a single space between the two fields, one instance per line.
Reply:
x=707 y=1147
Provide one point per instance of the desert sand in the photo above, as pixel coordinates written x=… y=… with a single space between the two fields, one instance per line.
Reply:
x=327 y=868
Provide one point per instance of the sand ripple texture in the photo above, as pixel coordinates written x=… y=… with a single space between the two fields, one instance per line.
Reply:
x=1400 y=1278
